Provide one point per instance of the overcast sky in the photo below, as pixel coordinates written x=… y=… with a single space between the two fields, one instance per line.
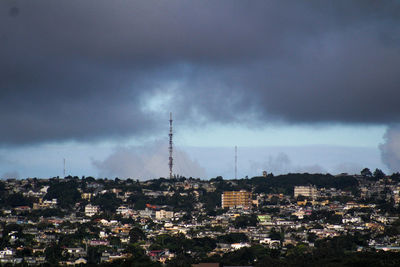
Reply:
x=94 y=81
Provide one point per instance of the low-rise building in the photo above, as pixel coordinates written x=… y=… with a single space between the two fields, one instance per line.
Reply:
x=164 y=215
x=91 y=210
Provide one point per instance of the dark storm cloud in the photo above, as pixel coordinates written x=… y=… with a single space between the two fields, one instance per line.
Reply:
x=88 y=69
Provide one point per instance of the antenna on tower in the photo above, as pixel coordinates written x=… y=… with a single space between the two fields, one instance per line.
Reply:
x=235 y=162
x=170 y=162
x=64 y=168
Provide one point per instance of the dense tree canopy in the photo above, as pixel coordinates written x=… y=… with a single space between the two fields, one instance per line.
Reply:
x=65 y=192
x=285 y=183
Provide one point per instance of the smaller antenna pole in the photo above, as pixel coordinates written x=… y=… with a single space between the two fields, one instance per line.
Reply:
x=64 y=167
x=235 y=162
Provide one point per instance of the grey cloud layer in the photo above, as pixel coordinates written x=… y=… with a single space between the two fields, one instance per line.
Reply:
x=390 y=148
x=150 y=161
x=87 y=69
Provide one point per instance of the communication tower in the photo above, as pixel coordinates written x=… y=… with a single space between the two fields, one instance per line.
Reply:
x=170 y=162
x=235 y=162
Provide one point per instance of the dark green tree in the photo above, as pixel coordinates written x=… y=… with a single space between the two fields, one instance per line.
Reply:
x=66 y=193
x=232 y=238
x=136 y=234
x=53 y=253
x=366 y=172
x=107 y=202
x=378 y=174
x=245 y=221
x=17 y=199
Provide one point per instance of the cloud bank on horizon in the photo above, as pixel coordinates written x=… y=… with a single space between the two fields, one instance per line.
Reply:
x=147 y=161
x=94 y=70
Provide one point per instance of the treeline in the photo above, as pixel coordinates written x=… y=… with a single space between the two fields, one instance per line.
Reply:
x=285 y=183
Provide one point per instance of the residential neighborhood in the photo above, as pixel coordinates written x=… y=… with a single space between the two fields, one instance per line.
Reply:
x=279 y=220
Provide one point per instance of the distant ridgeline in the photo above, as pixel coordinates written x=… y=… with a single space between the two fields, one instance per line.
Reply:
x=183 y=193
x=67 y=193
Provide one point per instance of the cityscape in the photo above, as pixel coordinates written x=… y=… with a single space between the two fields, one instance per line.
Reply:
x=201 y=133
x=284 y=220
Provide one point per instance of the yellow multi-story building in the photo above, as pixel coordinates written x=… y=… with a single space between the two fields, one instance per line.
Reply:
x=306 y=191
x=232 y=199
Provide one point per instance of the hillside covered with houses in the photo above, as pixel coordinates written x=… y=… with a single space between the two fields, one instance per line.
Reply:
x=291 y=219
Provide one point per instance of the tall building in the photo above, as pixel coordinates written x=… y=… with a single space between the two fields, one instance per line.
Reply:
x=231 y=199
x=306 y=191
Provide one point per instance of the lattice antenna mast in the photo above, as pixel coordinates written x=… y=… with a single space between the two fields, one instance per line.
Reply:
x=170 y=163
x=235 y=162
x=64 y=168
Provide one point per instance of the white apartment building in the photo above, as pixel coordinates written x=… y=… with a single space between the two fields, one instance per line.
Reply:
x=91 y=210
x=6 y=252
x=164 y=215
x=123 y=210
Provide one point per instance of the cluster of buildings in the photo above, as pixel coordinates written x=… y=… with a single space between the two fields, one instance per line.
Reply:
x=306 y=215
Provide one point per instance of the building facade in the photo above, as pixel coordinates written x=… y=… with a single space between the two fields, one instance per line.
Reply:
x=91 y=210
x=164 y=215
x=306 y=191
x=231 y=199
